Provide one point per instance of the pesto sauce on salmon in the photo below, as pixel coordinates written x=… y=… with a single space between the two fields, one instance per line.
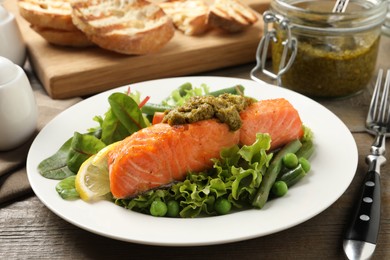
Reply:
x=226 y=108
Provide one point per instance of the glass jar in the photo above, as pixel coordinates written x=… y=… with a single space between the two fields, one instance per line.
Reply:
x=319 y=53
x=386 y=25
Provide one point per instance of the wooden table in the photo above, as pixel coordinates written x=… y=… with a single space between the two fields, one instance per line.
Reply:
x=30 y=230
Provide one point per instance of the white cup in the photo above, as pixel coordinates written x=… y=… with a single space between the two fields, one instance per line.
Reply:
x=12 y=45
x=18 y=108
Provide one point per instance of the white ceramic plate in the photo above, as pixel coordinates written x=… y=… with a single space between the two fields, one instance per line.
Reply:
x=333 y=168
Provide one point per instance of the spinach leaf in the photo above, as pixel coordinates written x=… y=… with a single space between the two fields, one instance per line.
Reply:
x=127 y=111
x=114 y=130
x=55 y=167
x=82 y=147
x=121 y=120
x=67 y=189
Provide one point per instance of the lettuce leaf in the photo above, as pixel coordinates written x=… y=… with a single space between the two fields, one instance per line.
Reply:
x=236 y=176
x=180 y=95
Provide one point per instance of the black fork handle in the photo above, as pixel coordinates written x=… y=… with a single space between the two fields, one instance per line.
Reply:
x=364 y=225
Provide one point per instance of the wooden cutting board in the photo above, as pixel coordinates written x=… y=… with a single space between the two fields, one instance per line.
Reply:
x=69 y=72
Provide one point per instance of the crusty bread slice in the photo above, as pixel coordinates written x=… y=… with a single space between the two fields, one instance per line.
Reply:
x=54 y=14
x=231 y=15
x=123 y=26
x=74 y=38
x=188 y=16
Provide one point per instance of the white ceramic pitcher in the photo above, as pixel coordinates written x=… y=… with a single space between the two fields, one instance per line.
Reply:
x=18 y=108
x=12 y=45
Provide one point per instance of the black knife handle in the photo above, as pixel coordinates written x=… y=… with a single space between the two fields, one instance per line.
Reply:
x=366 y=218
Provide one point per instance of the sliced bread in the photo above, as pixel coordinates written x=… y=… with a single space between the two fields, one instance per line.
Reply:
x=125 y=26
x=231 y=15
x=54 y=14
x=188 y=16
x=74 y=38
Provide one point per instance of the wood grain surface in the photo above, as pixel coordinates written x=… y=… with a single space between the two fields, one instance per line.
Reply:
x=68 y=72
x=29 y=230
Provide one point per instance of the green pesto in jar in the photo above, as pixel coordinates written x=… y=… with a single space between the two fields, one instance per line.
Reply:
x=320 y=71
x=226 y=108
x=336 y=52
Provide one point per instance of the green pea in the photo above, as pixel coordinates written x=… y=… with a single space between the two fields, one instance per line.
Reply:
x=222 y=206
x=173 y=208
x=158 y=208
x=279 y=188
x=290 y=160
x=305 y=164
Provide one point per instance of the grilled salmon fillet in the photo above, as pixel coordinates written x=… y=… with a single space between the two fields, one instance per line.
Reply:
x=277 y=117
x=158 y=155
x=161 y=154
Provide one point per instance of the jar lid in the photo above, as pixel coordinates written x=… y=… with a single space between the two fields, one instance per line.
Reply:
x=8 y=71
x=317 y=16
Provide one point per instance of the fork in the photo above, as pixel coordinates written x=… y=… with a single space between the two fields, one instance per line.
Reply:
x=361 y=236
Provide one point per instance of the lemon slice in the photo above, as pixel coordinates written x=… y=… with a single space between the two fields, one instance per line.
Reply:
x=92 y=180
x=100 y=160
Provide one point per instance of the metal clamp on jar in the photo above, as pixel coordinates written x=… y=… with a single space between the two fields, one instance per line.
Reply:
x=317 y=52
x=289 y=45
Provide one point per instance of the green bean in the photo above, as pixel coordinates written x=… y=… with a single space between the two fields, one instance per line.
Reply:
x=158 y=208
x=279 y=188
x=305 y=164
x=173 y=208
x=290 y=160
x=236 y=90
x=222 y=206
x=151 y=108
x=293 y=176
x=306 y=150
x=272 y=172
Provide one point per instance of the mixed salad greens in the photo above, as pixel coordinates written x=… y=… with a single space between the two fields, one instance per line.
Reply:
x=244 y=177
